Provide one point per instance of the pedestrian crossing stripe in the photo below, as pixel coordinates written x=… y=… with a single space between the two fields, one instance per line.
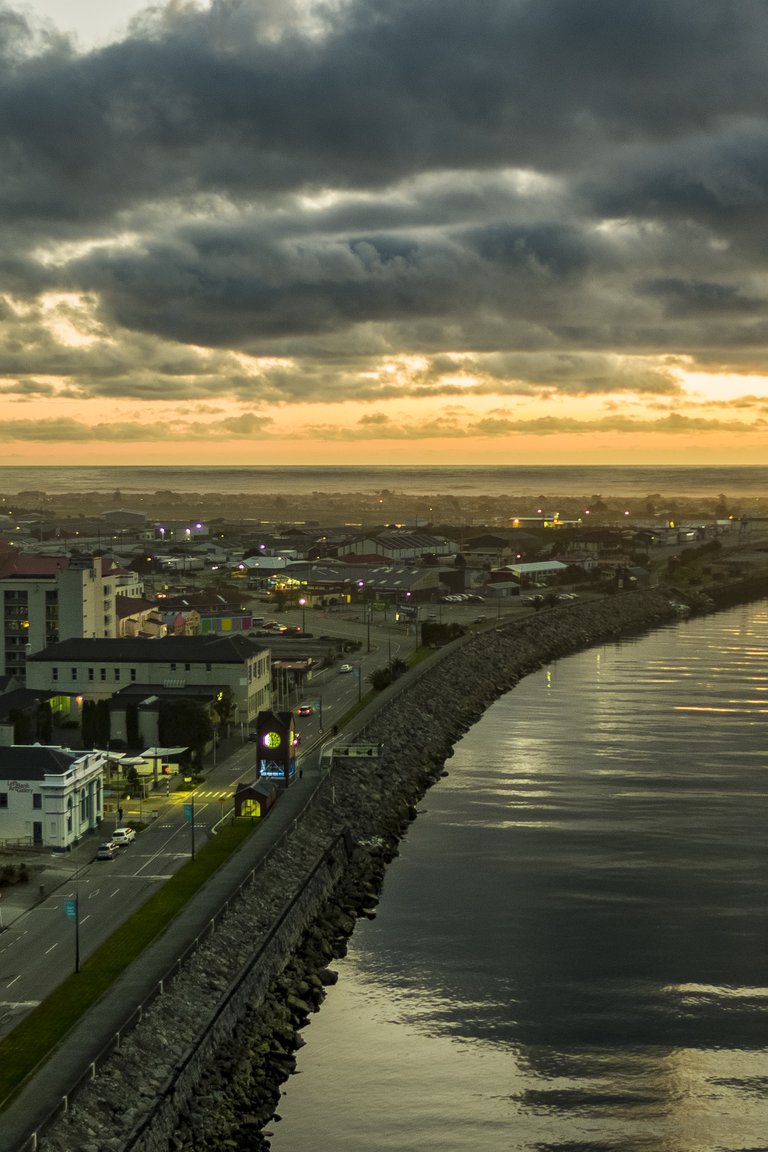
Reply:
x=190 y=797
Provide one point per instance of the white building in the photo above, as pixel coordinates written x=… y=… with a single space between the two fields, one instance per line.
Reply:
x=45 y=599
x=49 y=797
x=96 y=669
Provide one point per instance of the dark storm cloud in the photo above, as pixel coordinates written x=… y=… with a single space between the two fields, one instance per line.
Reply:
x=392 y=88
x=692 y=298
x=542 y=183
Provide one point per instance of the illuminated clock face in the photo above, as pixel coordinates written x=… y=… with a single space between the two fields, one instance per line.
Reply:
x=272 y=739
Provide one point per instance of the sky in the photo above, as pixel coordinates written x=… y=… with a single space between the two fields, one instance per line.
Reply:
x=384 y=231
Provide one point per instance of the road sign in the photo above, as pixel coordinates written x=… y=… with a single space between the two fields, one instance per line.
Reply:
x=357 y=750
x=70 y=907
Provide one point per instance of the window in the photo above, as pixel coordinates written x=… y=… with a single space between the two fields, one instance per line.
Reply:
x=90 y=673
x=103 y=673
x=187 y=667
x=3 y=799
x=74 y=673
x=133 y=673
x=208 y=667
x=37 y=799
x=173 y=666
x=117 y=673
x=55 y=673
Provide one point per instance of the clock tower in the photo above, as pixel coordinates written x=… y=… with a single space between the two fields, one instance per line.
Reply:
x=276 y=744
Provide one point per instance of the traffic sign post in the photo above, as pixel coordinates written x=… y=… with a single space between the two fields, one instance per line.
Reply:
x=189 y=816
x=71 y=908
x=357 y=750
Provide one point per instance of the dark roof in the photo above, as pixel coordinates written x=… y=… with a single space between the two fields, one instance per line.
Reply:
x=204 y=601
x=33 y=761
x=259 y=788
x=142 y=693
x=21 y=698
x=122 y=650
x=129 y=605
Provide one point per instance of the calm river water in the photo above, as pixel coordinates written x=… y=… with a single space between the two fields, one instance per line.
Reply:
x=571 y=952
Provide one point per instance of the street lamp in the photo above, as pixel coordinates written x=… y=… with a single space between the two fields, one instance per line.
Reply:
x=303 y=606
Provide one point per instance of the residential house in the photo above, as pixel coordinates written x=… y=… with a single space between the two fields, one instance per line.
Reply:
x=139 y=617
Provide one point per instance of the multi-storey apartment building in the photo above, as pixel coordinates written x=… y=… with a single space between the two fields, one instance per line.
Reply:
x=45 y=599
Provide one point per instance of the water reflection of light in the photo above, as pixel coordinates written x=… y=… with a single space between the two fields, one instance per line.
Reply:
x=729 y=992
x=710 y=708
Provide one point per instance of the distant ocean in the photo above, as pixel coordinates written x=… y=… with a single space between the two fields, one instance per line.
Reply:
x=446 y=480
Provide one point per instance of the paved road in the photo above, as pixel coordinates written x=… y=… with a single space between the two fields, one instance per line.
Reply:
x=39 y=942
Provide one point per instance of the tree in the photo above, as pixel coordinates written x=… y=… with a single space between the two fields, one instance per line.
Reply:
x=132 y=737
x=102 y=723
x=23 y=726
x=88 y=723
x=224 y=707
x=44 y=722
x=184 y=722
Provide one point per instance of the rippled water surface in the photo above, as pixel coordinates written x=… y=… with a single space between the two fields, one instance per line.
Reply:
x=571 y=952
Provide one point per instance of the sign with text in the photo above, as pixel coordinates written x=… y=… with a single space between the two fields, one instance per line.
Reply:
x=357 y=750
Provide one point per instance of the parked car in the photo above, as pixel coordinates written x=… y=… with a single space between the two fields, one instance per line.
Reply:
x=346 y=668
x=106 y=851
x=253 y=737
x=123 y=836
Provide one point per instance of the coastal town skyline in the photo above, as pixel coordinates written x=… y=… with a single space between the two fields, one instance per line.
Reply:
x=395 y=232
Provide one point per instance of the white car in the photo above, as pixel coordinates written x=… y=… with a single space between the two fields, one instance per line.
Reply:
x=346 y=668
x=123 y=836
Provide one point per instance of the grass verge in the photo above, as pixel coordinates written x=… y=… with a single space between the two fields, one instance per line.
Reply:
x=35 y=1037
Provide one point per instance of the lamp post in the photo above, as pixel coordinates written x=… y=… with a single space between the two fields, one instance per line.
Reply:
x=303 y=606
x=368 y=626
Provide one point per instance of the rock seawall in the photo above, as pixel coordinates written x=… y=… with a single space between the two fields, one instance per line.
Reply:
x=232 y=1091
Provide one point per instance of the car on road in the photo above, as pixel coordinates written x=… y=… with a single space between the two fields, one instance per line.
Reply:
x=106 y=851
x=304 y=710
x=122 y=836
x=253 y=737
x=346 y=668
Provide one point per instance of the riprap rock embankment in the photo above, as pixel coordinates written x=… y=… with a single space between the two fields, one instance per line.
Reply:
x=203 y=1069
